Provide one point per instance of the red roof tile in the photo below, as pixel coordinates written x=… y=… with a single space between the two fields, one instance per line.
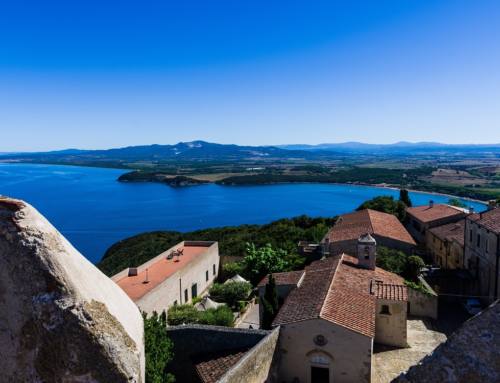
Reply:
x=489 y=219
x=214 y=366
x=339 y=291
x=286 y=278
x=351 y=226
x=450 y=232
x=426 y=213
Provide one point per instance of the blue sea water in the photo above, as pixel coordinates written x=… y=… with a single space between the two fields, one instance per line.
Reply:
x=94 y=211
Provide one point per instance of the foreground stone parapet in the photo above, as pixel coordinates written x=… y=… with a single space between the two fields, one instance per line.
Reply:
x=61 y=319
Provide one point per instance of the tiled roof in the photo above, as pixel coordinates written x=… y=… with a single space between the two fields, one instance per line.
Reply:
x=393 y=292
x=427 y=213
x=351 y=226
x=212 y=367
x=339 y=291
x=450 y=232
x=286 y=278
x=305 y=302
x=489 y=219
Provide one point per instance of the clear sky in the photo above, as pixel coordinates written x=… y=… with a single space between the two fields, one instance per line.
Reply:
x=99 y=74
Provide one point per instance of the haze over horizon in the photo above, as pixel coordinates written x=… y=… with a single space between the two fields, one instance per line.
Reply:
x=105 y=75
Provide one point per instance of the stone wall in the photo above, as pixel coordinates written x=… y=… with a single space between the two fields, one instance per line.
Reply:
x=256 y=365
x=191 y=341
x=61 y=319
x=421 y=304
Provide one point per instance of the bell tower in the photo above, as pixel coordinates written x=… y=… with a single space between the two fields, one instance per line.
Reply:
x=367 y=251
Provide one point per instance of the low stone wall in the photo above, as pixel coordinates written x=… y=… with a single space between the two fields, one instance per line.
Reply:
x=421 y=304
x=191 y=341
x=256 y=365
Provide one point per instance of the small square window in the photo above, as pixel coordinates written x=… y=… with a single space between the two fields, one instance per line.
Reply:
x=385 y=310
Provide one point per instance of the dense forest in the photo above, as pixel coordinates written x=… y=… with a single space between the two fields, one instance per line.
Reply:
x=282 y=234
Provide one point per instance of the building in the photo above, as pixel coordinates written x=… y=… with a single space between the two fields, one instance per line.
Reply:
x=419 y=219
x=482 y=252
x=385 y=228
x=471 y=354
x=176 y=276
x=210 y=354
x=445 y=244
x=337 y=309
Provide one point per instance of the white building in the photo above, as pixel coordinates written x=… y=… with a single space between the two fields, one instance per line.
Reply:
x=176 y=276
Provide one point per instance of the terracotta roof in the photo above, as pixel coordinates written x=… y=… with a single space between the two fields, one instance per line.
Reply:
x=158 y=272
x=305 y=302
x=450 y=232
x=286 y=278
x=426 y=213
x=351 y=226
x=337 y=290
x=389 y=291
x=213 y=366
x=489 y=219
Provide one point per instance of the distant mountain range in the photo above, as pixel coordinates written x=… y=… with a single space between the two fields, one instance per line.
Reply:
x=400 y=147
x=206 y=151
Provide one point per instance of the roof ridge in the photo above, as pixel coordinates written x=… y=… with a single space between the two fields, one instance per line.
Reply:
x=341 y=260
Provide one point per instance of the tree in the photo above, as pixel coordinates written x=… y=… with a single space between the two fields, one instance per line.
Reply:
x=385 y=204
x=413 y=267
x=158 y=348
x=405 y=197
x=264 y=260
x=230 y=293
x=269 y=304
x=391 y=260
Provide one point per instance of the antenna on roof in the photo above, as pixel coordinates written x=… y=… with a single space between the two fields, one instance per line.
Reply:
x=147 y=277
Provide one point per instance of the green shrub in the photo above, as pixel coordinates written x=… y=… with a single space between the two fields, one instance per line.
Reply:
x=158 y=349
x=221 y=316
x=230 y=293
x=391 y=260
x=418 y=287
x=413 y=267
x=232 y=268
x=182 y=314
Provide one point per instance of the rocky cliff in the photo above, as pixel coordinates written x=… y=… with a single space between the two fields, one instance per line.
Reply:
x=61 y=319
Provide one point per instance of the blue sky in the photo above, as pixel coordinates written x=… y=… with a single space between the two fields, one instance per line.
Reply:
x=98 y=74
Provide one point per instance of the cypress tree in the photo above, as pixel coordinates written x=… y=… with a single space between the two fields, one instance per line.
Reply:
x=405 y=197
x=269 y=303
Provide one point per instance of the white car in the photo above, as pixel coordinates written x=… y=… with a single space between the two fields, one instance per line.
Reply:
x=472 y=306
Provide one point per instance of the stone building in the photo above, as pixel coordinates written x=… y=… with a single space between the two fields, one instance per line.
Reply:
x=419 y=219
x=445 y=244
x=385 y=228
x=338 y=308
x=176 y=276
x=482 y=253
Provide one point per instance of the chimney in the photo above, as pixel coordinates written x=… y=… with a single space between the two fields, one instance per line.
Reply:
x=367 y=252
x=431 y=203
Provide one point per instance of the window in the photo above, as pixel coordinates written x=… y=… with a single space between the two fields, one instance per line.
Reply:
x=213 y=269
x=186 y=297
x=194 y=291
x=206 y=276
x=385 y=310
x=175 y=303
x=479 y=240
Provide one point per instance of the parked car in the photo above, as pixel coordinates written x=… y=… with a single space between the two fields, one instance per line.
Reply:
x=472 y=306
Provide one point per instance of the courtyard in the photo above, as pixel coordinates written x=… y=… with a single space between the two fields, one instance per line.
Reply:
x=389 y=362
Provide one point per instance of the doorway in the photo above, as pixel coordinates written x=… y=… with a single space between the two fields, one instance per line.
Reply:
x=320 y=375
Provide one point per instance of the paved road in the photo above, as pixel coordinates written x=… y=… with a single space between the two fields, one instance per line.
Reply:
x=251 y=319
